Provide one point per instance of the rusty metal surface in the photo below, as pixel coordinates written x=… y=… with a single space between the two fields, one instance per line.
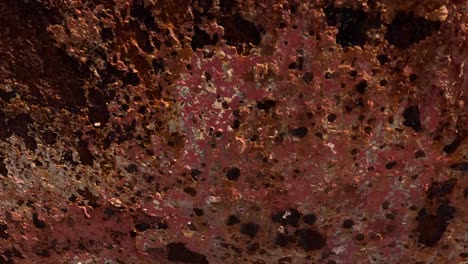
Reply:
x=233 y=131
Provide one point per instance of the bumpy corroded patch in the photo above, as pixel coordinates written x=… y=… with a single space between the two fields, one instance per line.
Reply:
x=232 y=131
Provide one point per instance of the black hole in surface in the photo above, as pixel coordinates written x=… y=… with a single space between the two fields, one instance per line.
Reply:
x=251 y=229
x=309 y=219
x=232 y=220
x=331 y=117
x=382 y=58
x=266 y=104
x=348 y=223
x=233 y=173
x=300 y=132
x=308 y=77
x=407 y=29
x=177 y=252
x=411 y=116
x=352 y=25
x=361 y=87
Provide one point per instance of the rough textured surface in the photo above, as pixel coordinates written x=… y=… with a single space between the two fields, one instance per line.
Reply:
x=233 y=131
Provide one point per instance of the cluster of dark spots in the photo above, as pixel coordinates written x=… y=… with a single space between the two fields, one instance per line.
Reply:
x=289 y=217
x=235 y=249
x=233 y=174
x=38 y=223
x=142 y=226
x=441 y=189
x=352 y=25
x=240 y=33
x=300 y=132
x=251 y=229
x=460 y=166
x=407 y=29
x=309 y=239
x=412 y=118
x=266 y=104
x=232 y=220
x=142 y=221
x=431 y=227
x=178 y=252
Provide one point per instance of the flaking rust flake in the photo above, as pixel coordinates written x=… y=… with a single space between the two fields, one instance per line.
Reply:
x=233 y=131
